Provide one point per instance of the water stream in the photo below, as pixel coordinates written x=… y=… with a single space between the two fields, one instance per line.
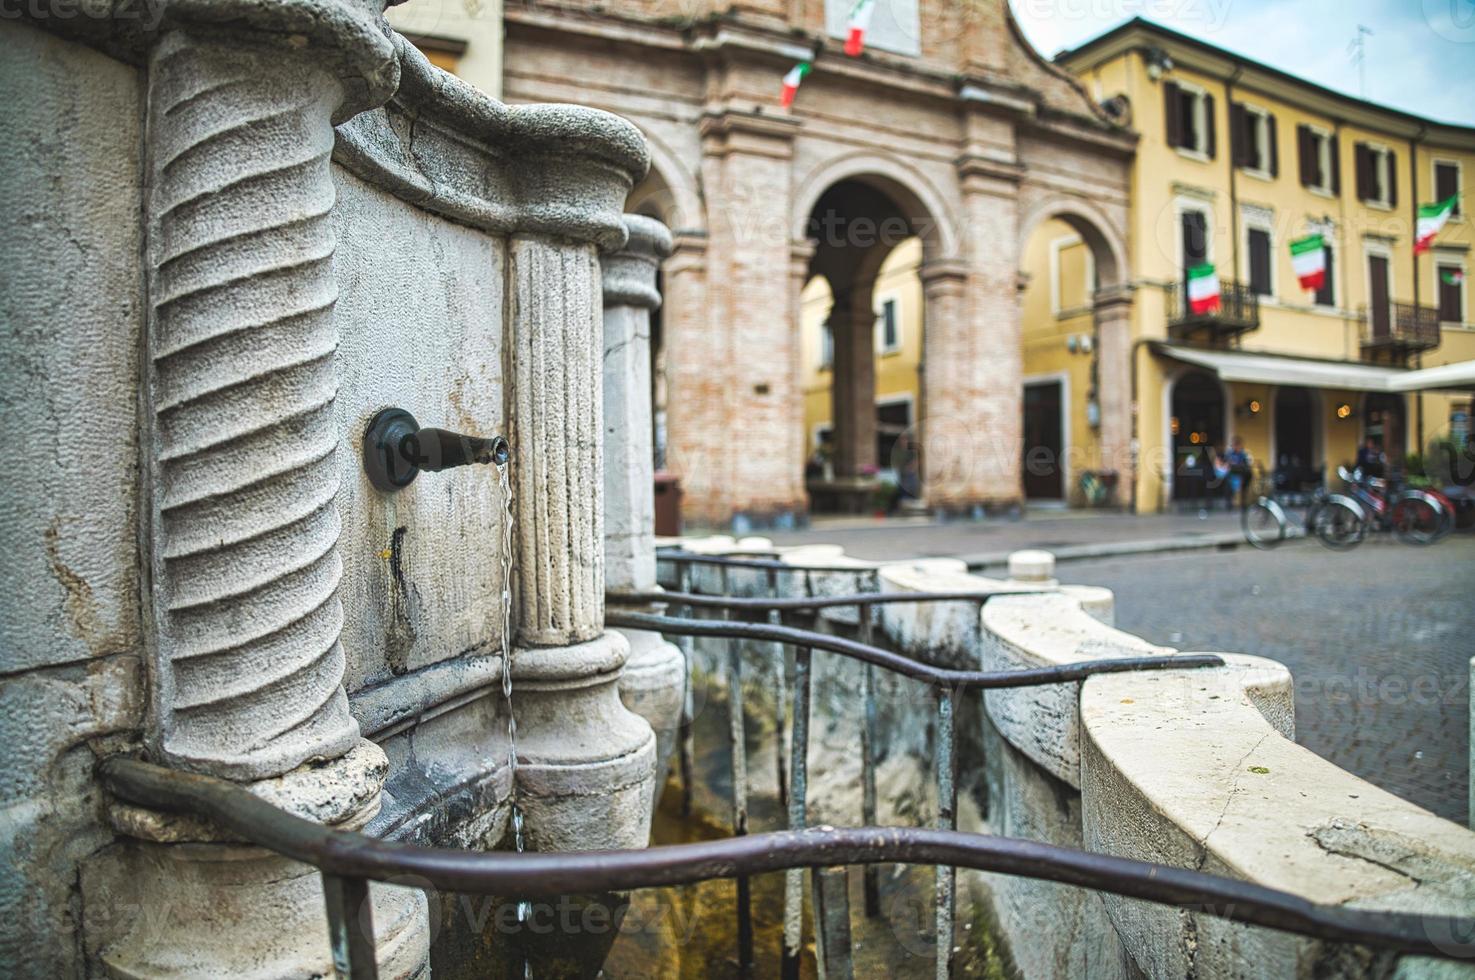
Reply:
x=524 y=907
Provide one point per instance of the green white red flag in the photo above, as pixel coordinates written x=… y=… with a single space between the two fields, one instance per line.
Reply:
x=1431 y=219
x=1452 y=277
x=860 y=22
x=1308 y=258
x=1203 y=289
x=792 y=80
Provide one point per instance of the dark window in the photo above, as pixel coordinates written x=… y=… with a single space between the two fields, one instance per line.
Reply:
x=1190 y=119
x=1451 y=293
x=1376 y=175
x=1379 y=311
x=1260 y=259
x=1252 y=139
x=890 y=329
x=1319 y=163
x=891 y=421
x=1447 y=183
x=826 y=346
x=1195 y=239
x=1327 y=294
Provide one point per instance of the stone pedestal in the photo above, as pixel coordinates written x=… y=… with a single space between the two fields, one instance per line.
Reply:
x=654 y=681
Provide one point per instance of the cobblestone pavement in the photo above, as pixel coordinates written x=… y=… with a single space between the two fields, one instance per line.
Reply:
x=1378 y=640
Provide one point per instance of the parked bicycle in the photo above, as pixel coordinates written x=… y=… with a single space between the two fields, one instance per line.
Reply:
x=1342 y=521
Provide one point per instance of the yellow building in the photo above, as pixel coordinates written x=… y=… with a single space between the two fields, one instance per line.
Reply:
x=1236 y=161
x=898 y=353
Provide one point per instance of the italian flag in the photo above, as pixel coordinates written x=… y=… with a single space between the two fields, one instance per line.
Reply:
x=1308 y=258
x=860 y=21
x=1432 y=218
x=1452 y=277
x=1203 y=289
x=792 y=80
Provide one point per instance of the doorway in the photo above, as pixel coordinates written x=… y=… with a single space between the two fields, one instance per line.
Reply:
x=1385 y=425
x=1044 y=440
x=1297 y=465
x=1197 y=426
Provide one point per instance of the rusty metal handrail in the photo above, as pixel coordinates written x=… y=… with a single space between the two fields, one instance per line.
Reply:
x=352 y=856
x=703 y=600
x=943 y=677
x=759 y=564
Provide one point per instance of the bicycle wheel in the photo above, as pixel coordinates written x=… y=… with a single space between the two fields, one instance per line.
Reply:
x=1338 y=525
x=1264 y=524
x=1417 y=518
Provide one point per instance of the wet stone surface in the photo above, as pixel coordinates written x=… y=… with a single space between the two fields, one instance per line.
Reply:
x=1377 y=639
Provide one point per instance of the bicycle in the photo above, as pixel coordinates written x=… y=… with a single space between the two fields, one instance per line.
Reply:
x=1340 y=521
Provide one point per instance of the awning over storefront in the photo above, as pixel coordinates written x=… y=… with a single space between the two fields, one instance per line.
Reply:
x=1234 y=365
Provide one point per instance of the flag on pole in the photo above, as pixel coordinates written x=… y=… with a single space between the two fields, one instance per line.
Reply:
x=792 y=80
x=1432 y=218
x=1308 y=258
x=1203 y=289
x=860 y=22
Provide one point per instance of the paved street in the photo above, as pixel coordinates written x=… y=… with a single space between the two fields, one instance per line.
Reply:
x=1379 y=639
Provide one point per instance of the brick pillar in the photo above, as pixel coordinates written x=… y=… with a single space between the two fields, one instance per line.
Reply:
x=747 y=159
x=854 y=391
x=697 y=380
x=1113 y=315
x=944 y=432
x=988 y=399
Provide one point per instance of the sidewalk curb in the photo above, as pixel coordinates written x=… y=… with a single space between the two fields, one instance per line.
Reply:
x=1115 y=549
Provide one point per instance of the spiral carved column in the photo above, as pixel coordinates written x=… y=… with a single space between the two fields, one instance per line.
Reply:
x=247 y=682
x=245 y=531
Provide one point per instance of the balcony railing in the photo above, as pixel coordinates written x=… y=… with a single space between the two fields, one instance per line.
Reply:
x=1238 y=312
x=349 y=860
x=1404 y=328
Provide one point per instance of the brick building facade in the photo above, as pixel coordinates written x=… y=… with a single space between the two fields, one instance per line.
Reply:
x=949 y=128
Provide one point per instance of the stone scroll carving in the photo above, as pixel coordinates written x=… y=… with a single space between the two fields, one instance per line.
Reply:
x=242 y=342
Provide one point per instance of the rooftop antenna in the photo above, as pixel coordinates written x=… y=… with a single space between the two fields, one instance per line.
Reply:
x=1358 y=50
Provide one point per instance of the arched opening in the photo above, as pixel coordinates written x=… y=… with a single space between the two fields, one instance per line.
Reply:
x=1297 y=463
x=1385 y=422
x=1197 y=428
x=862 y=316
x=1075 y=333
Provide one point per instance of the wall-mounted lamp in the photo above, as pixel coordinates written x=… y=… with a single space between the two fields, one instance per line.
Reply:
x=1344 y=411
x=1249 y=409
x=1158 y=62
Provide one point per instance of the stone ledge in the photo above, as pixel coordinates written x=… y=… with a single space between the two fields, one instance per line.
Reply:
x=1196 y=769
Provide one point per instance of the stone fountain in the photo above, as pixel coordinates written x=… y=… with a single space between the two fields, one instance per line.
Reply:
x=248 y=229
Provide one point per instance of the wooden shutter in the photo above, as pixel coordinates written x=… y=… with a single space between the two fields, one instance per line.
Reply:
x=1306 y=149
x=1449 y=295
x=1239 y=142
x=1363 y=158
x=1173 y=112
x=1393 y=178
x=1273 y=145
x=1336 y=157
x=1210 y=138
x=1447 y=183
x=1379 y=310
x=1327 y=294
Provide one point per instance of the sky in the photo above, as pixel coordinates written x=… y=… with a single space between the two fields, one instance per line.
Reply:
x=1420 y=55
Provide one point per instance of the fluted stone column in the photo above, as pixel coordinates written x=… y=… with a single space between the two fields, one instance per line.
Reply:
x=654 y=681
x=242 y=531
x=586 y=764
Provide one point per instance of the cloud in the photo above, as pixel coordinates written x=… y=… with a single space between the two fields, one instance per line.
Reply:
x=1420 y=57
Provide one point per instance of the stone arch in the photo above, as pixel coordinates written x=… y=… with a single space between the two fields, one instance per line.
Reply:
x=1101 y=235
x=892 y=176
x=669 y=191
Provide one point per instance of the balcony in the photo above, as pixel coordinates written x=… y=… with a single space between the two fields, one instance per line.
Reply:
x=1238 y=312
x=1401 y=330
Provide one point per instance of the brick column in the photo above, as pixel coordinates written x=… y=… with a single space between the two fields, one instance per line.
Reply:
x=697 y=380
x=946 y=454
x=1113 y=316
x=747 y=159
x=853 y=394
